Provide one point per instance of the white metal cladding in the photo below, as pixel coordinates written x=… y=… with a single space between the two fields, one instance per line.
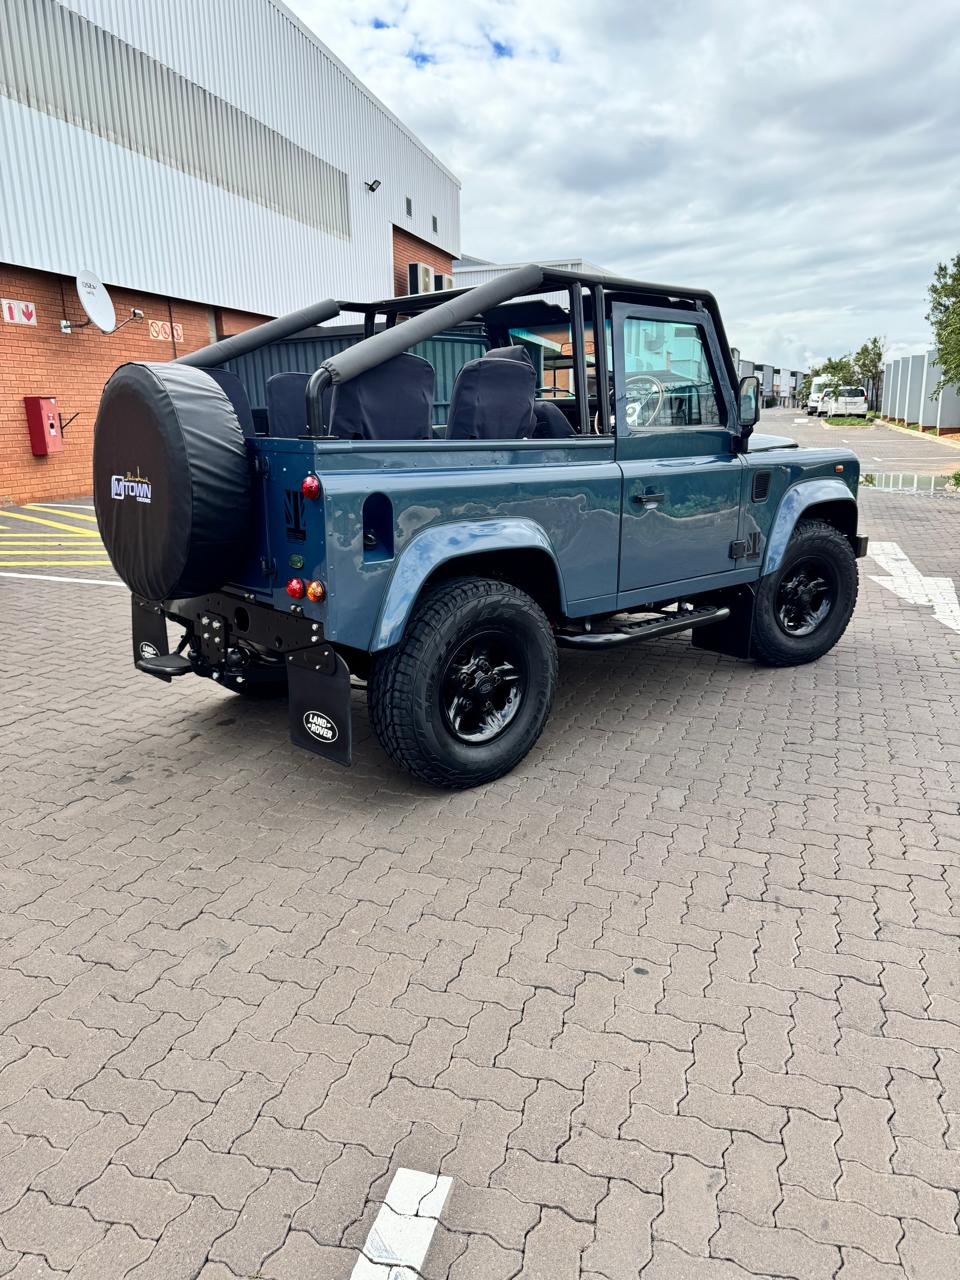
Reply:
x=156 y=224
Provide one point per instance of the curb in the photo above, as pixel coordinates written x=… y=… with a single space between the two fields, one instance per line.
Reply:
x=919 y=435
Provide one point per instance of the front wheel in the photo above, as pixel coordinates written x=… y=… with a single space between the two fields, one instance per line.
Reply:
x=465 y=694
x=803 y=608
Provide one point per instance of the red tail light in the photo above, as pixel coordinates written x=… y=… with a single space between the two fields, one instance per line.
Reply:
x=310 y=487
x=295 y=589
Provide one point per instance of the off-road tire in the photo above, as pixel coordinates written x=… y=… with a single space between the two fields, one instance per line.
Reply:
x=404 y=689
x=812 y=540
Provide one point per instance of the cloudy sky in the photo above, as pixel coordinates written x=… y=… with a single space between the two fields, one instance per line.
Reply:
x=802 y=160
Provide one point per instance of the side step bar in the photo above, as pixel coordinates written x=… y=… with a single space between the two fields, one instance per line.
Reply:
x=664 y=625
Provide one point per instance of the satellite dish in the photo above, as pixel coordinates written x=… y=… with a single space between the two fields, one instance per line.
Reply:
x=96 y=301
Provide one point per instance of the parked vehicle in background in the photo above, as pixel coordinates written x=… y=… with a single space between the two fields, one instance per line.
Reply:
x=849 y=402
x=342 y=532
x=828 y=400
x=817 y=388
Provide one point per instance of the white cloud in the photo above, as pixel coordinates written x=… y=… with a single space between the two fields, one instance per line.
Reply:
x=799 y=160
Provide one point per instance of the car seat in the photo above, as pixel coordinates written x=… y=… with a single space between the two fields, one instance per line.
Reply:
x=392 y=401
x=233 y=389
x=493 y=398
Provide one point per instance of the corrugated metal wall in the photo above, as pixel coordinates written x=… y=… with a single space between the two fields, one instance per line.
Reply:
x=448 y=354
x=73 y=195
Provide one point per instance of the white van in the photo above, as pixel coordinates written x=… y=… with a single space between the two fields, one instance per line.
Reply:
x=817 y=388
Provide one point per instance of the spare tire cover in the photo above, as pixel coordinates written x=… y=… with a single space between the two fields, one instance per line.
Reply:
x=171 y=480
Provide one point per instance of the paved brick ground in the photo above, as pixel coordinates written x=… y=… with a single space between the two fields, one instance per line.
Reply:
x=681 y=996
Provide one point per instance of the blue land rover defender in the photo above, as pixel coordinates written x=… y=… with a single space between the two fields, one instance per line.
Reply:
x=471 y=479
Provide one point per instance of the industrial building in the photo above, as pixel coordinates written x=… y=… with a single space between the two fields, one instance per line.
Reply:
x=213 y=164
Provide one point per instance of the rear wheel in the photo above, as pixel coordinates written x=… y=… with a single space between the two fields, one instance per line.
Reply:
x=803 y=608
x=465 y=694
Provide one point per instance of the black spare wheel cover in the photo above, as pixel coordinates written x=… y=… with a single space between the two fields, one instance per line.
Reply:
x=171 y=481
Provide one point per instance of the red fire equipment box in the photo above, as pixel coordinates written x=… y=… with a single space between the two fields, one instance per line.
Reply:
x=43 y=422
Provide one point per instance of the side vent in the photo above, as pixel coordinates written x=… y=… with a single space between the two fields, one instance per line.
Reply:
x=293 y=510
x=761 y=485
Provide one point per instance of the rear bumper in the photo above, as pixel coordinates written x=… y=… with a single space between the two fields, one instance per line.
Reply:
x=236 y=642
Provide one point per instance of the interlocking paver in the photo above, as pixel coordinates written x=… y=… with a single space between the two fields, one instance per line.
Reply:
x=679 y=994
x=196 y=1170
x=263 y=1223
x=836 y=1222
x=60 y=1233
x=689 y=1215
x=773 y=1251
x=86 y=1160
x=146 y=1204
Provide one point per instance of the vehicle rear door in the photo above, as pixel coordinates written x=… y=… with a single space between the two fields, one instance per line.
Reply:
x=677 y=441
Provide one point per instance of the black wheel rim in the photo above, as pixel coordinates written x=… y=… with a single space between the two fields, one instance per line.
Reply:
x=483 y=686
x=806 y=596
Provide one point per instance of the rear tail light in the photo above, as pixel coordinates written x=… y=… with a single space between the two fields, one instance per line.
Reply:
x=316 y=592
x=310 y=487
x=295 y=589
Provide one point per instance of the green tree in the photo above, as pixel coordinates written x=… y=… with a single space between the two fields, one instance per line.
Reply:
x=944 y=318
x=868 y=363
x=839 y=369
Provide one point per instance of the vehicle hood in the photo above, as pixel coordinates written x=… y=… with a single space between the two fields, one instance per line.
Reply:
x=759 y=443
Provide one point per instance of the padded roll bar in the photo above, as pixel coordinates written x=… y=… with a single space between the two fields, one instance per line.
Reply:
x=271 y=331
x=388 y=343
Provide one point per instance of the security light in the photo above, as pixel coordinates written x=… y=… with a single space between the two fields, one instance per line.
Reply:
x=374 y=185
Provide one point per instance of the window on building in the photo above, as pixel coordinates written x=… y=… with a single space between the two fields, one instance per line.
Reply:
x=436 y=224
x=409 y=207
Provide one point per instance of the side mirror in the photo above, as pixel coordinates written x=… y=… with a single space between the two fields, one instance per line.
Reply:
x=749 y=402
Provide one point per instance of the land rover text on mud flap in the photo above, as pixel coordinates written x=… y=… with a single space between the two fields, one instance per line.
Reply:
x=452 y=489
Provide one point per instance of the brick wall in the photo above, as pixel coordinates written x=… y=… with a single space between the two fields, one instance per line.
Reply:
x=407 y=249
x=73 y=367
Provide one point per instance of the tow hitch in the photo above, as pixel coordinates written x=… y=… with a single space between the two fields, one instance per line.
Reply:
x=239 y=644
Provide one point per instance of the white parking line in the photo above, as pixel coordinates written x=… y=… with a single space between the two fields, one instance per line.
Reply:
x=49 y=577
x=401 y=1234
x=906 y=581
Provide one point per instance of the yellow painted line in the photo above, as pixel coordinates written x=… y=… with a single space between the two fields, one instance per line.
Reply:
x=68 y=544
x=60 y=511
x=51 y=524
x=30 y=536
x=53 y=564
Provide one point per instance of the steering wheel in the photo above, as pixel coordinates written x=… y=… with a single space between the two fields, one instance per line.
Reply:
x=649 y=390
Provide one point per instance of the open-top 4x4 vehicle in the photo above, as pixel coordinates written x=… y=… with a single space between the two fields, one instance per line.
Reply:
x=583 y=475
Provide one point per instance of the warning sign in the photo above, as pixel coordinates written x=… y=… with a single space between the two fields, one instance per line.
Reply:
x=15 y=311
x=162 y=331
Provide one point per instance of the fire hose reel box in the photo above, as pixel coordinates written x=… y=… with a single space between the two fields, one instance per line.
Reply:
x=43 y=423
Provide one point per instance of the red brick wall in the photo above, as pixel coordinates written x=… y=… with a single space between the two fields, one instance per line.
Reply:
x=407 y=249
x=73 y=367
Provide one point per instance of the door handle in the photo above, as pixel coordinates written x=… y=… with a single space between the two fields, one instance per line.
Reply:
x=642 y=499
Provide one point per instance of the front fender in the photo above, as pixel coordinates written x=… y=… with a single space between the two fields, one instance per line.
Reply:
x=438 y=545
x=799 y=498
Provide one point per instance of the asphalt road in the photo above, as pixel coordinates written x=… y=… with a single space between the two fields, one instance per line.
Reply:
x=879 y=448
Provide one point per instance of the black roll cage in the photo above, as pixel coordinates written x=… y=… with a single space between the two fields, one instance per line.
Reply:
x=425 y=315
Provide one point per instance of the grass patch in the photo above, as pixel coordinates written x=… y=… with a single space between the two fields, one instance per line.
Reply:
x=849 y=422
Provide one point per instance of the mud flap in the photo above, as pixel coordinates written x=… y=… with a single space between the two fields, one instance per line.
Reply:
x=149 y=633
x=318 y=686
x=734 y=636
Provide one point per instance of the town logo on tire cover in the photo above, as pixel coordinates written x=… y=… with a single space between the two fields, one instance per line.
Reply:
x=320 y=726
x=129 y=486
